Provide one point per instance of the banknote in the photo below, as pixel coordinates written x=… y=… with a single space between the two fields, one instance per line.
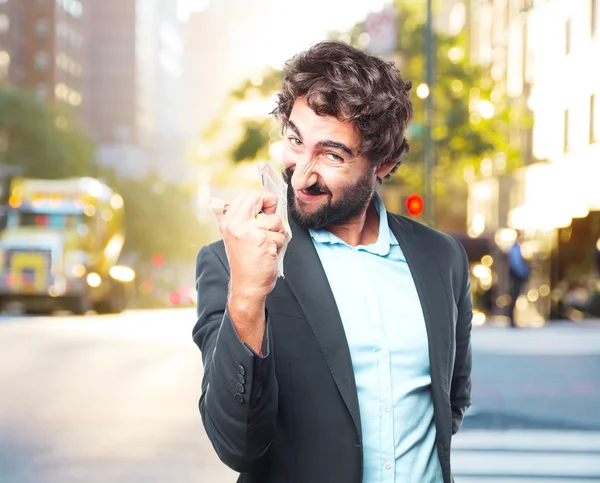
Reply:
x=273 y=182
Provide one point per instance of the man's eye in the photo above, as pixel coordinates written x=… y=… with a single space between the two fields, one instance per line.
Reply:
x=294 y=141
x=335 y=157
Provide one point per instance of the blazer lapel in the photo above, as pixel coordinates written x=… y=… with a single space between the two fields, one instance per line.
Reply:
x=306 y=278
x=425 y=270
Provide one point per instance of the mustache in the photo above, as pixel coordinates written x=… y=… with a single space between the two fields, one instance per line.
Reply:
x=315 y=189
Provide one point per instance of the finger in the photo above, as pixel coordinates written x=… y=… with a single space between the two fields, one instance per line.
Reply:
x=234 y=208
x=250 y=203
x=278 y=239
x=269 y=222
x=218 y=207
x=269 y=202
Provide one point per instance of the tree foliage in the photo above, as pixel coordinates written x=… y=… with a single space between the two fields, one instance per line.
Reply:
x=463 y=138
x=159 y=218
x=45 y=143
x=465 y=135
x=42 y=140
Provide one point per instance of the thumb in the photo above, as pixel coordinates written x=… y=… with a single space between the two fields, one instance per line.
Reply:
x=269 y=203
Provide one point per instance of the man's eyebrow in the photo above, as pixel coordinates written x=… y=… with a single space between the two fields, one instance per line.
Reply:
x=322 y=144
x=294 y=128
x=335 y=145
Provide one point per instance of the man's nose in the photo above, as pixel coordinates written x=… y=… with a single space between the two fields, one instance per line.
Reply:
x=305 y=173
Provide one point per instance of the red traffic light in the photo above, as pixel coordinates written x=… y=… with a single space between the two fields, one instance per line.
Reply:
x=175 y=298
x=158 y=260
x=414 y=205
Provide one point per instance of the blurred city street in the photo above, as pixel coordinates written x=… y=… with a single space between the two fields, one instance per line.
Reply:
x=123 y=121
x=114 y=398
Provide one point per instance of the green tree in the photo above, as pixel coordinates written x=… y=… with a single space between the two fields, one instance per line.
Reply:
x=159 y=218
x=41 y=139
x=471 y=116
x=471 y=120
x=237 y=138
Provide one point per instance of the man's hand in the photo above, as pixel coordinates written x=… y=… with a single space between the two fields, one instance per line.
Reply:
x=253 y=235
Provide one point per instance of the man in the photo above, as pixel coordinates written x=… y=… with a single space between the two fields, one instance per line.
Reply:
x=355 y=367
x=519 y=273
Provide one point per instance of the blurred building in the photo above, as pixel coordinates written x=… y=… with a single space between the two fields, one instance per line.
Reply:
x=160 y=87
x=206 y=83
x=134 y=57
x=111 y=71
x=542 y=54
x=42 y=48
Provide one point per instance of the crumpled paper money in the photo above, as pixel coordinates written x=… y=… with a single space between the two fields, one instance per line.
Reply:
x=270 y=181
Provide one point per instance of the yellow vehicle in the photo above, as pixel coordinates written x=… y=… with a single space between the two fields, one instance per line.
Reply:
x=60 y=247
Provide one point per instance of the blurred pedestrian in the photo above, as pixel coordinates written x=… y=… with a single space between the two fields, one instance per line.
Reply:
x=355 y=367
x=519 y=273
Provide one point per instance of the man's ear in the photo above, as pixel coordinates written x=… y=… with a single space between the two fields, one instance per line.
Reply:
x=382 y=170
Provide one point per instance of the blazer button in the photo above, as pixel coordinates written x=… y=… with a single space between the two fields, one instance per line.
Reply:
x=239 y=398
x=240 y=388
x=241 y=379
x=241 y=370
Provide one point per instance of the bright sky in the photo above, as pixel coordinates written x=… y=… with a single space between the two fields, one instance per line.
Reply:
x=280 y=28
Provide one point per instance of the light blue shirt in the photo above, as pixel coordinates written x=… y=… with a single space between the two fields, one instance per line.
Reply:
x=383 y=320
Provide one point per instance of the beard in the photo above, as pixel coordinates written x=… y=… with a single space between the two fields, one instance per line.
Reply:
x=354 y=200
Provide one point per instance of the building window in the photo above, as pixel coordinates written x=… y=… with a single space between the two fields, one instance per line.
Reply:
x=566 y=132
x=42 y=28
x=4 y=23
x=41 y=59
x=594 y=123
x=568 y=37
x=593 y=17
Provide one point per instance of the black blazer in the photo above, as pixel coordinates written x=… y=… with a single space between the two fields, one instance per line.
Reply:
x=293 y=415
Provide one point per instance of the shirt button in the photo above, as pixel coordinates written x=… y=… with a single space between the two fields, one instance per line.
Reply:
x=386 y=409
x=388 y=465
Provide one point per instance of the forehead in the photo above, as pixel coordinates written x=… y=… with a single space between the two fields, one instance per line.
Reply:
x=319 y=128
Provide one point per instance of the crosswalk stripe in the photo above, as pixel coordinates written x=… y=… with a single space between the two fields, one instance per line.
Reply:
x=526 y=456
x=520 y=479
x=543 y=440
x=546 y=341
x=502 y=463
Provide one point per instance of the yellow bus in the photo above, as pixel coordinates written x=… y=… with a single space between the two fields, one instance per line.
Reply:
x=60 y=247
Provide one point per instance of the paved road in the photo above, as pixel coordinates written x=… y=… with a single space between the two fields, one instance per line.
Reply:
x=113 y=399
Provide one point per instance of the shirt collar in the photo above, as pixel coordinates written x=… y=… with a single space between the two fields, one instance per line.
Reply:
x=384 y=241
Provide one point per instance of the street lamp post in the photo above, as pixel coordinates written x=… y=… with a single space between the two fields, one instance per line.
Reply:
x=428 y=141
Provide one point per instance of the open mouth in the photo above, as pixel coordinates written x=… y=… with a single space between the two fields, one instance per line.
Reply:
x=312 y=193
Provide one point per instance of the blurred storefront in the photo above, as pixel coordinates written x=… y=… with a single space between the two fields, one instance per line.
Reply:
x=554 y=199
x=554 y=206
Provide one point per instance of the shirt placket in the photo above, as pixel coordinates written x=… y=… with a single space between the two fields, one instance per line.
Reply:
x=384 y=376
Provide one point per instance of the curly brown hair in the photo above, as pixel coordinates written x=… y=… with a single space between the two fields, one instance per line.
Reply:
x=339 y=80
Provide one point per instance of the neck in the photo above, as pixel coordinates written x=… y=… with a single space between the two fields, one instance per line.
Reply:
x=360 y=230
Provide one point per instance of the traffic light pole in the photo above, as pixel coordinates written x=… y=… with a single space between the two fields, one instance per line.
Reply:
x=428 y=144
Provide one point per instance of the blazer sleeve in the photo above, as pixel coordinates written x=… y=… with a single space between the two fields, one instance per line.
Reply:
x=238 y=403
x=460 y=388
